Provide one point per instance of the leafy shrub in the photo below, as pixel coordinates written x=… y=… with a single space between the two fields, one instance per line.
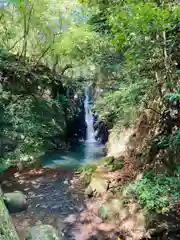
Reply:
x=156 y=193
x=29 y=116
x=103 y=213
x=121 y=105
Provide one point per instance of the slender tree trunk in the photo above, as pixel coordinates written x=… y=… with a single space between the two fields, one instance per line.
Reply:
x=167 y=62
x=42 y=55
x=55 y=64
x=27 y=21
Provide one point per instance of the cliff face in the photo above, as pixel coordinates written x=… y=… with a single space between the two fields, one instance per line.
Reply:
x=118 y=141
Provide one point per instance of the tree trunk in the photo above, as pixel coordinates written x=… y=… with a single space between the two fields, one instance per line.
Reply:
x=7 y=230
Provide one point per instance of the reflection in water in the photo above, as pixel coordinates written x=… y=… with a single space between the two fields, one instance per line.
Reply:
x=80 y=153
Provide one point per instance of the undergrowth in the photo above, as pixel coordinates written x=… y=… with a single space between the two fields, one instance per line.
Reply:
x=156 y=193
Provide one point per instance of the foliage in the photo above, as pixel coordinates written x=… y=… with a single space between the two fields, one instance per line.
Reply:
x=53 y=50
x=122 y=105
x=30 y=117
x=146 y=35
x=58 y=37
x=103 y=212
x=90 y=168
x=156 y=193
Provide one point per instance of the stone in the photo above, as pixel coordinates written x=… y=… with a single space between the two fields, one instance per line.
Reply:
x=97 y=220
x=42 y=232
x=114 y=208
x=89 y=191
x=70 y=219
x=15 y=201
x=99 y=181
x=93 y=238
x=106 y=227
x=66 y=182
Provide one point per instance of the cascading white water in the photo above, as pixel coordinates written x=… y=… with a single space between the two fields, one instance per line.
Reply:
x=92 y=148
x=84 y=152
x=90 y=134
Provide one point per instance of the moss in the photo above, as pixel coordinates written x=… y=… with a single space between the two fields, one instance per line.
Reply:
x=113 y=164
x=108 y=160
x=86 y=172
x=110 y=163
x=7 y=230
x=89 y=168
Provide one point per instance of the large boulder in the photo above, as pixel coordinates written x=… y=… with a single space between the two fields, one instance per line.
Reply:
x=113 y=208
x=99 y=182
x=42 y=232
x=15 y=201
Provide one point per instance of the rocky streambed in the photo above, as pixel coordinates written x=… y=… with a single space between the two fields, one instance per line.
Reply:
x=50 y=200
x=56 y=197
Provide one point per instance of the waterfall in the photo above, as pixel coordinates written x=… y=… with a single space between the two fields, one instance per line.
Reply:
x=90 y=134
x=83 y=152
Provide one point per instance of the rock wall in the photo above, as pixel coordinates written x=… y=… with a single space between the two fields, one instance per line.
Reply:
x=118 y=141
x=76 y=124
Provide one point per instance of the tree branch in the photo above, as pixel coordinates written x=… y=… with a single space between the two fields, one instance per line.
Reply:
x=15 y=43
x=155 y=111
x=65 y=68
x=26 y=30
x=42 y=55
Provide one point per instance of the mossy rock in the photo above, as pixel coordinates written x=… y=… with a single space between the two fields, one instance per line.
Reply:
x=86 y=173
x=118 y=163
x=108 y=160
x=99 y=181
x=113 y=208
x=15 y=201
x=89 y=168
x=113 y=164
x=42 y=232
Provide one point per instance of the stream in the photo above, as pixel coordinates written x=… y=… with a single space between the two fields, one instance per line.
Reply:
x=51 y=199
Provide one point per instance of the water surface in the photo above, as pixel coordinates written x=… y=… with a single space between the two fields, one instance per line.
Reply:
x=78 y=155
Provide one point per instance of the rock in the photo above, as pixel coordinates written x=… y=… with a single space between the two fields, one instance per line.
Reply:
x=106 y=227
x=15 y=201
x=113 y=209
x=66 y=182
x=99 y=186
x=37 y=185
x=97 y=220
x=99 y=182
x=92 y=238
x=42 y=232
x=70 y=219
x=89 y=191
